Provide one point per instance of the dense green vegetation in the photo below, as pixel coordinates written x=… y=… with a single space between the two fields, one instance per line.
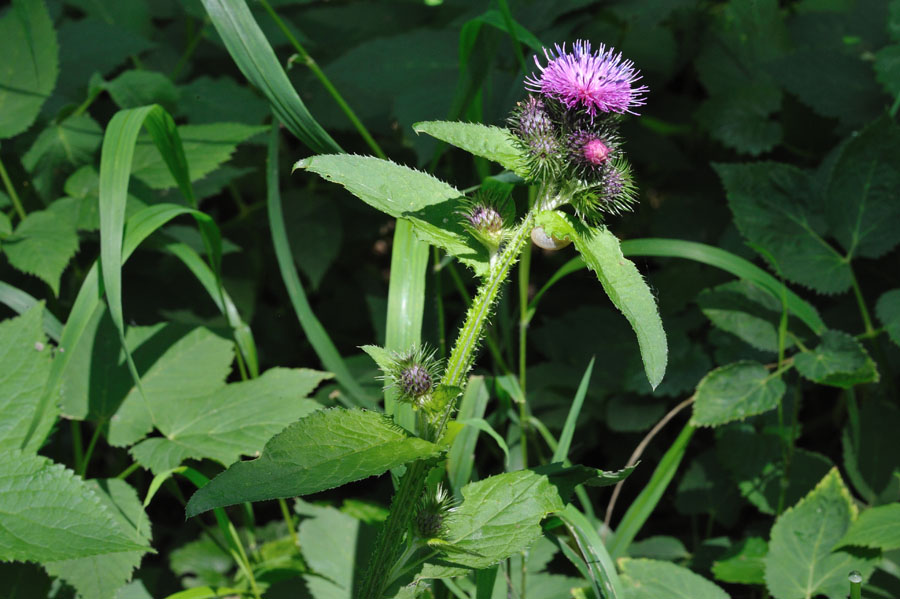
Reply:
x=224 y=375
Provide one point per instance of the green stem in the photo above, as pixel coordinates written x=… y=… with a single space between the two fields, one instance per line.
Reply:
x=11 y=191
x=320 y=75
x=189 y=50
x=77 y=444
x=90 y=449
x=439 y=302
x=863 y=311
x=855 y=579
x=286 y=514
x=127 y=472
x=389 y=546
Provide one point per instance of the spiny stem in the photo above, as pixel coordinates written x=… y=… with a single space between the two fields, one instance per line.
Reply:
x=389 y=545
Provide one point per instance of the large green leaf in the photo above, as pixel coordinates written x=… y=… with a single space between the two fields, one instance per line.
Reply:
x=42 y=245
x=326 y=449
x=888 y=311
x=220 y=100
x=839 y=360
x=652 y=579
x=493 y=143
x=254 y=57
x=734 y=392
x=744 y=563
x=176 y=364
x=24 y=366
x=100 y=576
x=871 y=453
x=499 y=516
x=30 y=64
x=801 y=563
x=744 y=310
x=862 y=201
x=621 y=281
x=232 y=421
x=430 y=204
x=876 y=527
x=60 y=149
x=49 y=514
x=138 y=88
x=773 y=208
x=205 y=148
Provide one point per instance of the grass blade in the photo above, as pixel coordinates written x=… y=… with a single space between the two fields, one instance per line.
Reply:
x=598 y=559
x=565 y=438
x=20 y=302
x=639 y=511
x=255 y=58
x=315 y=332
x=461 y=457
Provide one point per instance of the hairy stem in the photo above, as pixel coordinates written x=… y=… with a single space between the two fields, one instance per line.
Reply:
x=389 y=546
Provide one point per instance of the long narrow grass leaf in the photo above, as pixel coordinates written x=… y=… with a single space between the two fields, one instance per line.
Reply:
x=20 y=302
x=315 y=332
x=598 y=559
x=461 y=456
x=255 y=58
x=565 y=438
x=646 y=502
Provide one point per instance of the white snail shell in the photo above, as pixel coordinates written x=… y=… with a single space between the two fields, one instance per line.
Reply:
x=544 y=241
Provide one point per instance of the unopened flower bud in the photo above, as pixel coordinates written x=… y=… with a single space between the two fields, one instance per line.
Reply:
x=431 y=517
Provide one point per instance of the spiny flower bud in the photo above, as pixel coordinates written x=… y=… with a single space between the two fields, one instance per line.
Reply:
x=414 y=375
x=431 y=516
x=488 y=217
x=615 y=192
x=590 y=151
x=538 y=137
x=415 y=380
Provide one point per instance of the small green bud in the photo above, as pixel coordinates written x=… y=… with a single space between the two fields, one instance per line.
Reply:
x=414 y=375
x=488 y=217
x=431 y=517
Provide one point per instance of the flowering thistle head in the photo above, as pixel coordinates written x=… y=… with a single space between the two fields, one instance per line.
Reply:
x=595 y=82
x=538 y=137
x=614 y=192
x=414 y=374
x=488 y=217
x=430 y=521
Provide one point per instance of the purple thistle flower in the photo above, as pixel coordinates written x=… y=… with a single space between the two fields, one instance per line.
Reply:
x=597 y=82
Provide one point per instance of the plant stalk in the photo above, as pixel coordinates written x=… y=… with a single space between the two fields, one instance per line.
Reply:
x=11 y=191
x=389 y=546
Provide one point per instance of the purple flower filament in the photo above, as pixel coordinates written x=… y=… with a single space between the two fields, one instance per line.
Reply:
x=598 y=81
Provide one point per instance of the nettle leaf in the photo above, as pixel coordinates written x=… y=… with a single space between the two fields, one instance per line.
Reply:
x=232 y=421
x=740 y=119
x=773 y=209
x=61 y=148
x=839 y=360
x=139 y=88
x=499 y=516
x=324 y=450
x=30 y=64
x=222 y=100
x=744 y=310
x=801 y=563
x=42 y=245
x=744 y=564
x=100 y=576
x=871 y=452
x=205 y=148
x=621 y=281
x=862 y=201
x=877 y=527
x=652 y=579
x=888 y=311
x=493 y=143
x=429 y=203
x=49 y=514
x=734 y=392
x=24 y=367
x=175 y=362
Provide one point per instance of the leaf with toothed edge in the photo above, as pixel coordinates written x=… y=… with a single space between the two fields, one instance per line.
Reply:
x=493 y=143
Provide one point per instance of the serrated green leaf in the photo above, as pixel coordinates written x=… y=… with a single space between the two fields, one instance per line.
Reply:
x=734 y=392
x=740 y=118
x=220 y=100
x=59 y=149
x=801 y=563
x=493 y=143
x=50 y=514
x=326 y=449
x=30 y=64
x=862 y=202
x=24 y=366
x=499 y=516
x=839 y=360
x=888 y=311
x=430 y=204
x=871 y=453
x=651 y=579
x=621 y=281
x=101 y=576
x=138 y=88
x=205 y=148
x=744 y=564
x=176 y=364
x=744 y=310
x=887 y=68
x=232 y=421
x=317 y=222
x=42 y=245
x=877 y=527
x=773 y=209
